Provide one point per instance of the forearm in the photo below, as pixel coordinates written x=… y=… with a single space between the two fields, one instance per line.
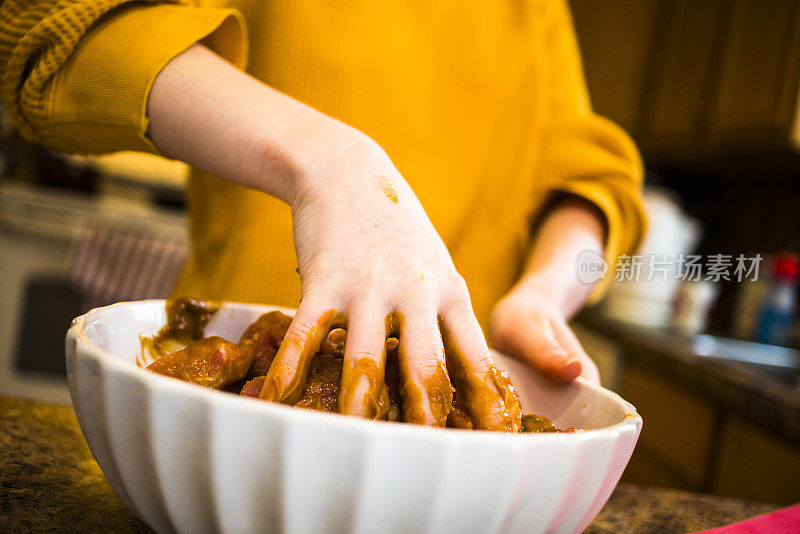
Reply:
x=205 y=112
x=572 y=226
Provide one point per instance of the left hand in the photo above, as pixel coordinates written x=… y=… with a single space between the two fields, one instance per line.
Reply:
x=526 y=323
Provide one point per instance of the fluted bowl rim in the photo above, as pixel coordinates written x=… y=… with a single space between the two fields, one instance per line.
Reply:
x=580 y=469
x=77 y=329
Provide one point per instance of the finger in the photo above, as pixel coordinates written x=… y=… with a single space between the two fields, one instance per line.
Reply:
x=363 y=392
x=536 y=342
x=427 y=393
x=489 y=399
x=286 y=378
x=569 y=341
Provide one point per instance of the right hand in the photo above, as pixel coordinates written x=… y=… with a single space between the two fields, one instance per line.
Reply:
x=371 y=261
x=366 y=262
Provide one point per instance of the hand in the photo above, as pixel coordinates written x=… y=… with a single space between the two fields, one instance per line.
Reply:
x=530 y=322
x=370 y=261
x=369 y=258
x=527 y=324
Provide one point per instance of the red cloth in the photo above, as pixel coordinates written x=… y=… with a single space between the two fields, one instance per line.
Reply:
x=783 y=521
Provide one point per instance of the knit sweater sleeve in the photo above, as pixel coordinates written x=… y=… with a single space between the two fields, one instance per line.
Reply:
x=587 y=155
x=76 y=73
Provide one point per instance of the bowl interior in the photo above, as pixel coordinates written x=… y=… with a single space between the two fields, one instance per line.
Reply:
x=117 y=329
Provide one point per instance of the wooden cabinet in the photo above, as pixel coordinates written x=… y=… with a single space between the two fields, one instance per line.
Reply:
x=754 y=464
x=689 y=442
x=707 y=427
x=696 y=79
x=678 y=436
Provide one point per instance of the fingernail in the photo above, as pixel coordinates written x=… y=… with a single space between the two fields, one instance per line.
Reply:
x=571 y=368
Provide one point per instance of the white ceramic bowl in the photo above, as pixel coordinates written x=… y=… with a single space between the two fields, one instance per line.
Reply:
x=190 y=459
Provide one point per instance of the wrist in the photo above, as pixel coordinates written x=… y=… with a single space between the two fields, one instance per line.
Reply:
x=571 y=228
x=559 y=289
x=343 y=157
x=309 y=154
x=539 y=287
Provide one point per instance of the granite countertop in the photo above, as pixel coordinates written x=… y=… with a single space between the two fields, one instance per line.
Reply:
x=753 y=393
x=50 y=482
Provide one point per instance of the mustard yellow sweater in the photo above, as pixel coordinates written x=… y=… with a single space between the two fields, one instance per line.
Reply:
x=481 y=105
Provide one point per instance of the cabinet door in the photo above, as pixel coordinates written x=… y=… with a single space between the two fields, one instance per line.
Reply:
x=683 y=69
x=757 y=88
x=678 y=432
x=696 y=80
x=615 y=37
x=755 y=464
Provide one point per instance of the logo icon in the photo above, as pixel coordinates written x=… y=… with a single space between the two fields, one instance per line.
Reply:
x=591 y=267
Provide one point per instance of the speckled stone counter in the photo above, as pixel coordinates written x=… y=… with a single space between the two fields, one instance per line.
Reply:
x=50 y=482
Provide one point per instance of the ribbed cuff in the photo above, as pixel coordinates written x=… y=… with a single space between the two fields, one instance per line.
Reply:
x=98 y=100
x=592 y=158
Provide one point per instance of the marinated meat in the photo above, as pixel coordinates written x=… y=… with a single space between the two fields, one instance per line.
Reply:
x=212 y=362
x=537 y=423
x=187 y=319
x=217 y=363
x=252 y=388
x=262 y=339
x=188 y=316
x=393 y=381
x=322 y=385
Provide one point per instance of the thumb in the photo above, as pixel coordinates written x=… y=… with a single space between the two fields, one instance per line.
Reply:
x=537 y=343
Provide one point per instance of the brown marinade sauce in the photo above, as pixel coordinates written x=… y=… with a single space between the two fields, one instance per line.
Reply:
x=263 y=338
x=388 y=188
x=187 y=319
x=436 y=389
x=537 y=423
x=212 y=362
x=490 y=401
x=321 y=391
x=458 y=396
x=375 y=404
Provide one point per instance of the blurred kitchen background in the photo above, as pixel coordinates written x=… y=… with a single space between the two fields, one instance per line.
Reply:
x=709 y=89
